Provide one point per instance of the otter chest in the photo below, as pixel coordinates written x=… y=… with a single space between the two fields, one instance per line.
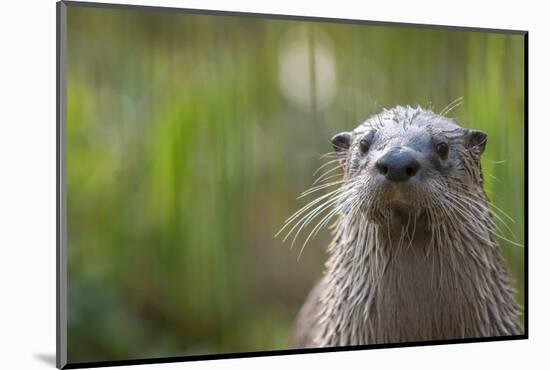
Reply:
x=421 y=297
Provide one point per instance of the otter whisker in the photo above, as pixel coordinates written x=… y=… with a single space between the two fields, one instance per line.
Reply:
x=310 y=216
x=491 y=204
x=452 y=105
x=330 y=155
x=495 y=162
x=467 y=201
x=470 y=216
x=493 y=214
x=501 y=212
x=306 y=219
x=305 y=208
x=323 y=176
x=508 y=240
x=319 y=187
x=319 y=226
x=331 y=177
x=325 y=165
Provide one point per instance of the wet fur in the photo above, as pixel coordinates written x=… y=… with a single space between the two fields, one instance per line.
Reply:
x=429 y=270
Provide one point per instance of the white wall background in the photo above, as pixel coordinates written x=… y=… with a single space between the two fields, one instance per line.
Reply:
x=27 y=182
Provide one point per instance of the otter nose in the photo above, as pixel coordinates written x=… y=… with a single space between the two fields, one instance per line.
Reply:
x=398 y=165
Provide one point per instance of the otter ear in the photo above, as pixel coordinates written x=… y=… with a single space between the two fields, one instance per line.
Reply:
x=476 y=141
x=341 y=142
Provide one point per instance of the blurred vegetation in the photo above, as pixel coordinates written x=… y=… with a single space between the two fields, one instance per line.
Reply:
x=189 y=138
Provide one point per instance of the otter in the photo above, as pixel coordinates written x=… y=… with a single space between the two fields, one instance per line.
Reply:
x=414 y=255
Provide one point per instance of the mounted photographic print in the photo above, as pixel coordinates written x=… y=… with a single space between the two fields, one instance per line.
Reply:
x=234 y=184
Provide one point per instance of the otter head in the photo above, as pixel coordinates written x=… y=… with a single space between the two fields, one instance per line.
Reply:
x=409 y=161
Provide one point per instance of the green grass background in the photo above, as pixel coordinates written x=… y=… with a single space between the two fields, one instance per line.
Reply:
x=185 y=154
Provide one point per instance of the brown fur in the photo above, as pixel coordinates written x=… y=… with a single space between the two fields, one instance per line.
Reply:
x=422 y=266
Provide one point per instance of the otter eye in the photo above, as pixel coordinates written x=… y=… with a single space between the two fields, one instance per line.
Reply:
x=442 y=150
x=364 y=146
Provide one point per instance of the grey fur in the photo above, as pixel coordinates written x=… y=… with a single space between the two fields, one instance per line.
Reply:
x=429 y=269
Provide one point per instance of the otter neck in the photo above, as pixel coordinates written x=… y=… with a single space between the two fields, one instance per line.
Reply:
x=384 y=285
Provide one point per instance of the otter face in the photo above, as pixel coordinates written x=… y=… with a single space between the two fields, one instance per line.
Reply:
x=407 y=161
